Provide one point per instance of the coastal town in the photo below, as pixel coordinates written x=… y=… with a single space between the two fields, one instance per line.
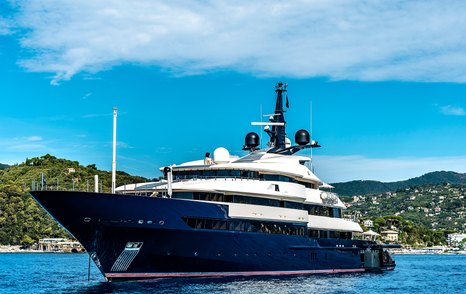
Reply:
x=423 y=219
x=435 y=206
x=49 y=245
x=390 y=234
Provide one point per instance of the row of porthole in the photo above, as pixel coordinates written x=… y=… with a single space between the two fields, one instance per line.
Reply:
x=88 y=219
x=150 y=222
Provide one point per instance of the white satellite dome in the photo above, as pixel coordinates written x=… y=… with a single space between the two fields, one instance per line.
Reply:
x=221 y=155
x=287 y=142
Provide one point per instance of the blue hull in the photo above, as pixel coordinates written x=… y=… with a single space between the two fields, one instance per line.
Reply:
x=145 y=237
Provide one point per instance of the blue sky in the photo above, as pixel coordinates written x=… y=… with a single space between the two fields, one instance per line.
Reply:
x=386 y=81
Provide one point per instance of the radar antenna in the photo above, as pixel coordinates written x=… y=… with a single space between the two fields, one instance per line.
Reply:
x=277 y=134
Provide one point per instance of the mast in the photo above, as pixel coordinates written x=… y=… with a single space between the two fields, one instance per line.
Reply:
x=278 y=134
x=114 y=150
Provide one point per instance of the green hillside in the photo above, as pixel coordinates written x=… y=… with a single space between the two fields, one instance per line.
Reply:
x=441 y=206
x=371 y=187
x=22 y=221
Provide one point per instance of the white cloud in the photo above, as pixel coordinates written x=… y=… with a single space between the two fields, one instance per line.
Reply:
x=348 y=168
x=452 y=110
x=27 y=147
x=5 y=27
x=94 y=115
x=23 y=144
x=87 y=95
x=124 y=145
x=34 y=138
x=343 y=39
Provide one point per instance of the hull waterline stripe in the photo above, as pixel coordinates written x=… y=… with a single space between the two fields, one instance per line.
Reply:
x=389 y=268
x=229 y=274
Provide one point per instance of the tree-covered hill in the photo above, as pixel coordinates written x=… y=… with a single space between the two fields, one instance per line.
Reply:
x=3 y=166
x=371 y=187
x=22 y=221
x=441 y=206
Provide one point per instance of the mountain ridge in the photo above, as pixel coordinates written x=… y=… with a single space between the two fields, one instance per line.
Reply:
x=361 y=187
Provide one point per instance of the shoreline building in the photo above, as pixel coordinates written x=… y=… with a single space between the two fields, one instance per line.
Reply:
x=455 y=238
x=59 y=245
x=389 y=236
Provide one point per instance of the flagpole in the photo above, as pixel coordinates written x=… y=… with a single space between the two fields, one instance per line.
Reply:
x=114 y=150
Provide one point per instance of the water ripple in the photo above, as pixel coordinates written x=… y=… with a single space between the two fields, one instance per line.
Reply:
x=67 y=273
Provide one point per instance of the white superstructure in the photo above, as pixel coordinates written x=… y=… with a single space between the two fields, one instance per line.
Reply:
x=270 y=186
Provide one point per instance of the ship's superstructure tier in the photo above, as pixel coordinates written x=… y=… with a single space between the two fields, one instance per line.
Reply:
x=261 y=186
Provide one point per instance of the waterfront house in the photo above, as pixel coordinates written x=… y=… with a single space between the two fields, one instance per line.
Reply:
x=59 y=245
x=389 y=236
x=368 y=223
x=455 y=238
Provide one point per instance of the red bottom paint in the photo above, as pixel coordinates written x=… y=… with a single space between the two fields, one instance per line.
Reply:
x=227 y=274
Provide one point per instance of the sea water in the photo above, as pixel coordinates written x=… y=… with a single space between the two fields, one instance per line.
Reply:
x=68 y=273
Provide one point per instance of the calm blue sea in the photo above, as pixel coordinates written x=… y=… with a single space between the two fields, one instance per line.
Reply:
x=67 y=273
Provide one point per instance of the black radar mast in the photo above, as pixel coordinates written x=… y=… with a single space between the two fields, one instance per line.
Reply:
x=278 y=133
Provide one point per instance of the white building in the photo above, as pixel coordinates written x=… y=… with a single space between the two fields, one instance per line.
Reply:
x=455 y=238
x=389 y=236
x=368 y=223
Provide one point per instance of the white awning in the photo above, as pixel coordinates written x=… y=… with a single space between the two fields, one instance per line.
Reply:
x=370 y=233
x=326 y=186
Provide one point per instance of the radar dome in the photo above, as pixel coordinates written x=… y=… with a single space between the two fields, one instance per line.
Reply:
x=302 y=137
x=251 y=140
x=221 y=155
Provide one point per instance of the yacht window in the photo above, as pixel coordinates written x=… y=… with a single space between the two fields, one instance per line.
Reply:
x=228 y=198
x=318 y=210
x=271 y=177
x=329 y=234
x=246 y=226
x=284 y=179
x=217 y=197
x=236 y=226
x=209 y=173
x=220 y=225
x=235 y=173
x=334 y=235
x=336 y=212
x=223 y=173
x=313 y=233
x=183 y=195
x=294 y=205
x=346 y=235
